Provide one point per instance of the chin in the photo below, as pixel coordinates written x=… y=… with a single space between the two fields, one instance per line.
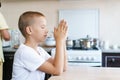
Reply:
x=42 y=40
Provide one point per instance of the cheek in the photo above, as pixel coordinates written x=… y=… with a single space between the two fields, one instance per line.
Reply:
x=38 y=31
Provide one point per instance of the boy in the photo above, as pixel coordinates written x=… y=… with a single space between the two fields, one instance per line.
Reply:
x=4 y=34
x=31 y=61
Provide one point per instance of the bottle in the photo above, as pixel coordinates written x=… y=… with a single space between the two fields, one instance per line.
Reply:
x=15 y=38
x=106 y=45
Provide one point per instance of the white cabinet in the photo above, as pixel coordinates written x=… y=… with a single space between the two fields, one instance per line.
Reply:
x=81 y=22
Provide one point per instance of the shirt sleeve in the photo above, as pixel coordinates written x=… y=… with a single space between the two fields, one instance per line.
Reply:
x=3 y=24
x=46 y=55
x=32 y=60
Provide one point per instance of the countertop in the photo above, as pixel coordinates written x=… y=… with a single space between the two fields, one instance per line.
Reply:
x=48 y=49
x=10 y=49
x=89 y=73
x=111 y=51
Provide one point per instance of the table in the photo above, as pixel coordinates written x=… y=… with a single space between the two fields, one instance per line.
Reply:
x=89 y=73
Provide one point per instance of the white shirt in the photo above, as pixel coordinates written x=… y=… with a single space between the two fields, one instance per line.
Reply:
x=3 y=25
x=26 y=62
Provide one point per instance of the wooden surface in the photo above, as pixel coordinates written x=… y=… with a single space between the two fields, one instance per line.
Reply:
x=89 y=73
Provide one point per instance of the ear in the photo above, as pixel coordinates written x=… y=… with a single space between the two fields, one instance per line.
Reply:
x=28 y=30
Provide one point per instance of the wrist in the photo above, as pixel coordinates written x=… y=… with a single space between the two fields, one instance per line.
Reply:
x=60 y=40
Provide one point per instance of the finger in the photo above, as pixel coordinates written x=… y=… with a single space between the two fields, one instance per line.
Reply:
x=55 y=29
x=64 y=25
x=61 y=25
x=66 y=29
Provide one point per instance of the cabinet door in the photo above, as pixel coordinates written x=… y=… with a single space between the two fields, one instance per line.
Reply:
x=7 y=66
x=112 y=61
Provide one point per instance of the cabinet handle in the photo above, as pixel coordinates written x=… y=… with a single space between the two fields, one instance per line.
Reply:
x=10 y=58
x=113 y=60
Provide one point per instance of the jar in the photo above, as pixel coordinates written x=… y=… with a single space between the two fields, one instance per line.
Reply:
x=15 y=38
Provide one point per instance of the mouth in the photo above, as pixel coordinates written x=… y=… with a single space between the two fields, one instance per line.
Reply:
x=45 y=36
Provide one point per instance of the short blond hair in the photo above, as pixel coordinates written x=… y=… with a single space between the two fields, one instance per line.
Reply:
x=27 y=19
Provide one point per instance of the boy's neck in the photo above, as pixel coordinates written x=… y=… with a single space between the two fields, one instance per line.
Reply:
x=31 y=44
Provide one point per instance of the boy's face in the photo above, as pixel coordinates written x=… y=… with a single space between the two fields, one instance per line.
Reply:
x=39 y=30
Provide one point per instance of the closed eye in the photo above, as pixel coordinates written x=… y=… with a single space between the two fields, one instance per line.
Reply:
x=43 y=27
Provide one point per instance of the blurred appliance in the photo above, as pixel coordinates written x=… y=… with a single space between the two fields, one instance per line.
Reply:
x=89 y=58
x=50 y=41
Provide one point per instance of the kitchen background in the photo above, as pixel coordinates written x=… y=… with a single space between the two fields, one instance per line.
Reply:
x=109 y=22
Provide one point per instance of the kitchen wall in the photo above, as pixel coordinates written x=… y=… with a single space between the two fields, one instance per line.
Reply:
x=109 y=14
